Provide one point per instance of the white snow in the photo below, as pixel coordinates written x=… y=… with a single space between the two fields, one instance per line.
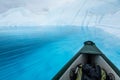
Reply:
x=63 y=12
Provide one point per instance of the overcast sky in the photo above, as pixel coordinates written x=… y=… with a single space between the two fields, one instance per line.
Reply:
x=49 y=12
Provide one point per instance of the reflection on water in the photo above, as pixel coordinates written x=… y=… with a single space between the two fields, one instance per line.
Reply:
x=39 y=53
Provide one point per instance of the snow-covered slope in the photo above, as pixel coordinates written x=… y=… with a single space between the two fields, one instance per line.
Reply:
x=64 y=12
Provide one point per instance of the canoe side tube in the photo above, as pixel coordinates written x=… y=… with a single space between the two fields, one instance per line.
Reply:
x=65 y=67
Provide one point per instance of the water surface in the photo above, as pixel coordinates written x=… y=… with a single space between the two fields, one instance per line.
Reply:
x=39 y=53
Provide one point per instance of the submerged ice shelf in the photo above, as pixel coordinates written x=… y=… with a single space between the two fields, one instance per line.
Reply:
x=38 y=54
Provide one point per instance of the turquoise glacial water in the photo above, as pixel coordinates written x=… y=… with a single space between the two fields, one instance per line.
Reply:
x=39 y=53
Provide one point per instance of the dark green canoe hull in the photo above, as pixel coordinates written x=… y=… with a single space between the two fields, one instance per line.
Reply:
x=89 y=48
